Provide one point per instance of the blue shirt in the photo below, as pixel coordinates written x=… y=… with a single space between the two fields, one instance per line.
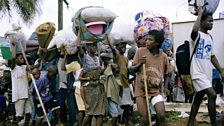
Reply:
x=43 y=86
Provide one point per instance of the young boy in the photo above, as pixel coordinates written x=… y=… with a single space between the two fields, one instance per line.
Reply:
x=156 y=65
x=201 y=67
x=43 y=84
x=122 y=62
x=20 y=86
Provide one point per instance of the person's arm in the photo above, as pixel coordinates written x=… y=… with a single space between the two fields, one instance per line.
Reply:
x=216 y=64
x=63 y=62
x=197 y=24
x=80 y=49
x=111 y=45
x=83 y=95
x=13 y=55
x=81 y=78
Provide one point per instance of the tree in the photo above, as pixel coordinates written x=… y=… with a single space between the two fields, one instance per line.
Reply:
x=26 y=9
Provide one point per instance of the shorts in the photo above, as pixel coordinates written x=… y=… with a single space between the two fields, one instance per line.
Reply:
x=79 y=100
x=127 y=97
x=23 y=106
x=201 y=84
x=52 y=105
x=156 y=99
x=114 y=109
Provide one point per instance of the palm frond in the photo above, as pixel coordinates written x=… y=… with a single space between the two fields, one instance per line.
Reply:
x=5 y=8
x=27 y=9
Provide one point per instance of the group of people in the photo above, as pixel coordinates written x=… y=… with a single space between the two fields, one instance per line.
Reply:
x=96 y=85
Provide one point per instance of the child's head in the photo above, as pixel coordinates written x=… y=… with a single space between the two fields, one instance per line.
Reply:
x=52 y=72
x=207 y=21
x=115 y=69
x=154 y=39
x=19 y=59
x=131 y=53
x=91 y=47
x=121 y=47
x=36 y=73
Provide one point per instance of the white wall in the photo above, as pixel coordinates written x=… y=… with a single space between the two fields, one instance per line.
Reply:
x=181 y=31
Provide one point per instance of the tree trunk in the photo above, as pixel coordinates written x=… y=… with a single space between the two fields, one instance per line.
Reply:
x=60 y=15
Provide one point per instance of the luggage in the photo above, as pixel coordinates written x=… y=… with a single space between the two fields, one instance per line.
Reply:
x=101 y=23
x=209 y=6
x=45 y=33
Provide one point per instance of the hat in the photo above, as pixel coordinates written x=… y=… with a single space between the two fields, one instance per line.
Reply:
x=72 y=67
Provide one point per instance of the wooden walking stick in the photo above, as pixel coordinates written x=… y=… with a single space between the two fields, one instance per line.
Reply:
x=146 y=95
x=35 y=86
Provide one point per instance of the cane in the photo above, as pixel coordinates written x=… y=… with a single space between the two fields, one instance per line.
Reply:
x=146 y=95
x=35 y=86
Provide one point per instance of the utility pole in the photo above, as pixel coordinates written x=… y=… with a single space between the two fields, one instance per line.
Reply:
x=60 y=15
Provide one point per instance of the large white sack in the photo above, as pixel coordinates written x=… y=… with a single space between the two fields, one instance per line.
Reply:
x=209 y=6
x=93 y=14
x=18 y=37
x=65 y=38
x=123 y=32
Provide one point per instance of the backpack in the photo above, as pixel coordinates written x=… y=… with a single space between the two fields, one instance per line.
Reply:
x=183 y=57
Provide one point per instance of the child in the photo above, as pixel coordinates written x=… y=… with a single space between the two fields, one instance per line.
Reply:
x=156 y=63
x=201 y=67
x=43 y=84
x=92 y=90
x=113 y=86
x=122 y=62
x=20 y=87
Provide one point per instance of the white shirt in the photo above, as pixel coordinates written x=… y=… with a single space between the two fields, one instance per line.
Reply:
x=20 y=84
x=201 y=66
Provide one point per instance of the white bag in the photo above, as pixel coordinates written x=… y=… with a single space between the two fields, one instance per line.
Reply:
x=209 y=6
x=18 y=37
x=65 y=38
x=93 y=14
x=123 y=32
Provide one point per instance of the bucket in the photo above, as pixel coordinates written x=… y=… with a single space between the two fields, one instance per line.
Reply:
x=6 y=50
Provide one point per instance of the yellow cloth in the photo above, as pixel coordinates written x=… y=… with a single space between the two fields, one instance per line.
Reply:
x=72 y=67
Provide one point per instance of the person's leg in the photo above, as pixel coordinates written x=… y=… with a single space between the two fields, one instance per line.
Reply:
x=87 y=120
x=71 y=106
x=28 y=111
x=160 y=113
x=195 y=106
x=81 y=115
x=142 y=109
x=61 y=97
x=19 y=107
x=126 y=114
x=99 y=120
x=210 y=92
x=114 y=121
x=38 y=122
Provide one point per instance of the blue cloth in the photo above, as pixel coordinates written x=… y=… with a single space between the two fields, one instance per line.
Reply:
x=167 y=43
x=43 y=86
x=215 y=74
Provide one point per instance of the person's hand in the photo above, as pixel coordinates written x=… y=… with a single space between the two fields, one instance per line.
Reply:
x=143 y=60
x=13 y=43
x=166 y=92
x=86 y=106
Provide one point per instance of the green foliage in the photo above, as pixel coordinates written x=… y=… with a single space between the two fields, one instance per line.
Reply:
x=26 y=9
x=172 y=116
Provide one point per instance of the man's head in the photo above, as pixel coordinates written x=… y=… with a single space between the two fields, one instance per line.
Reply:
x=51 y=72
x=36 y=73
x=207 y=21
x=154 y=39
x=91 y=47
